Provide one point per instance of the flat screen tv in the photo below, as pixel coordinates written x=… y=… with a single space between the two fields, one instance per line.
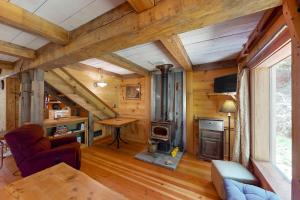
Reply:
x=225 y=84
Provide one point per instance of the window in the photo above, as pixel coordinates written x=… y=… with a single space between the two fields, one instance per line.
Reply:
x=280 y=116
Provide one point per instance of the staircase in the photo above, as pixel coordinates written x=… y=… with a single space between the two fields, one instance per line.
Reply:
x=64 y=82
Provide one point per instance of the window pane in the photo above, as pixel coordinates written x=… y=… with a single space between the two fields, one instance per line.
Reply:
x=282 y=106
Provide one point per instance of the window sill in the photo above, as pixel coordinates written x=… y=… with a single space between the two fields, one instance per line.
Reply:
x=272 y=179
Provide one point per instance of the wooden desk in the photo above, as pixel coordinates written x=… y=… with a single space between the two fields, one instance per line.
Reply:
x=117 y=123
x=59 y=182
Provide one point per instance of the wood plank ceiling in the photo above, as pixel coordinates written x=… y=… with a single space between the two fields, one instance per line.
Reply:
x=214 y=43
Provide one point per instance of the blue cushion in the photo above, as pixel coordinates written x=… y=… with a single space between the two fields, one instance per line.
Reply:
x=240 y=191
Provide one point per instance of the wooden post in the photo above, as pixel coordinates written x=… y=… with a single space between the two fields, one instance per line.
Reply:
x=25 y=101
x=292 y=16
x=189 y=113
x=37 y=96
x=91 y=129
x=295 y=121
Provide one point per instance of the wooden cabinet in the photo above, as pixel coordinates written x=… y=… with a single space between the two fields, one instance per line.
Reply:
x=211 y=145
x=211 y=139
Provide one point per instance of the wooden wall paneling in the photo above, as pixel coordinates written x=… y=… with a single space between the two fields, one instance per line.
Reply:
x=37 y=96
x=12 y=103
x=202 y=105
x=109 y=94
x=25 y=98
x=139 y=109
x=3 y=108
x=168 y=17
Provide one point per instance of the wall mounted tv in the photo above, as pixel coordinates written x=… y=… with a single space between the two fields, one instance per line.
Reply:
x=225 y=84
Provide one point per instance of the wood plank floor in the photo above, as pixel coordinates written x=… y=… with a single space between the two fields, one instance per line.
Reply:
x=118 y=170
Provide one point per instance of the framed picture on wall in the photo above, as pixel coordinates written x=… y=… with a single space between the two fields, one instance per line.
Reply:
x=133 y=92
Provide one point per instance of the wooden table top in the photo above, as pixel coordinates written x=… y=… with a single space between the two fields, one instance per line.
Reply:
x=117 y=122
x=59 y=182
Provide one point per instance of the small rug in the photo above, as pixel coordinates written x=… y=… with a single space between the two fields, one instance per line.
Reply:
x=164 y=160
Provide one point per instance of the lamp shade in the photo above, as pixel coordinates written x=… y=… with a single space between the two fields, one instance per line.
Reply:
x=228 y=107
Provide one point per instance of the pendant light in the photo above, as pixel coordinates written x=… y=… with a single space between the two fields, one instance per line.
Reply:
x=101 y=82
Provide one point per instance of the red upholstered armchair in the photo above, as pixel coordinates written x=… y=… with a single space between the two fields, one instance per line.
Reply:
x=33 y=152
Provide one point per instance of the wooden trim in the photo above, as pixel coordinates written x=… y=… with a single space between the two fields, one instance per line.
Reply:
x=271 y=179
x=174 y=45
x=124 y=63
x=215 y=65
x=141 y=5
x=292 y=15
x=277 y=43
x=6 y=65
x=169 y=17
x=256 y=33
x=16 y=50
x=20 y=18
x=271 y=31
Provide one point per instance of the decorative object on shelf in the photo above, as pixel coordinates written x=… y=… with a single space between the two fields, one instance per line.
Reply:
x=133 y=92
x=101 y=82
x=228 y=107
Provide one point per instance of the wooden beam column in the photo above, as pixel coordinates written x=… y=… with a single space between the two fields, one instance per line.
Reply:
x=291 y=13
x=37 y=97
x=189 y=113
x=91 y=129
x=174 y=45
x=25 y=101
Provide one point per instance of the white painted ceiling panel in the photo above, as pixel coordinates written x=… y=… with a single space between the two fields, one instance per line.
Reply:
x=90 y=12
x=29 y=5
x=148 y=55
x=69 y=14
x=219 y=42
x=97 y=63
x=8 y=58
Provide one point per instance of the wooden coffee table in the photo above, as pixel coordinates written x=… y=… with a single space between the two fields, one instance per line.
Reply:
x=59 y=182
x=117 y=123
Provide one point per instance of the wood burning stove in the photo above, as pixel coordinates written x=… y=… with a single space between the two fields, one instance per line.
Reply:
x=162 y=130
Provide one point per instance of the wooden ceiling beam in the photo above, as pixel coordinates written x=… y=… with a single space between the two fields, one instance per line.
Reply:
x=215 y=65
x=175 y=47
x=141 y=5
x=20 y=18
x=6 y=65
x=124 y=63
x=16 y=50
x=167 y=18
x=291 y=12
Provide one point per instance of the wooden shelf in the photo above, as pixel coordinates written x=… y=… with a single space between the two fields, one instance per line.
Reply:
x=228 y=94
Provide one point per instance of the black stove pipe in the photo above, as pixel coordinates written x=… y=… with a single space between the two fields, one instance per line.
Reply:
x=164 y=90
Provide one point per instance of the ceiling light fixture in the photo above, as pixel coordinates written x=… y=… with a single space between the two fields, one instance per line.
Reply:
x=101 y=82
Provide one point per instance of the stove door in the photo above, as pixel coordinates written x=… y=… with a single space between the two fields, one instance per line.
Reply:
x=160 y=132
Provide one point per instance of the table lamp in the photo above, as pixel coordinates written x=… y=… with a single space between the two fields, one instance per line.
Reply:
x=228 y=107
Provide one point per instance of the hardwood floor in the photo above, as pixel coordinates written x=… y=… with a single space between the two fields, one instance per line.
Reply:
x=118 y=170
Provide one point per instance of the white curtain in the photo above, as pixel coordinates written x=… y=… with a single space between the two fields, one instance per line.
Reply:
x=241 y=148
